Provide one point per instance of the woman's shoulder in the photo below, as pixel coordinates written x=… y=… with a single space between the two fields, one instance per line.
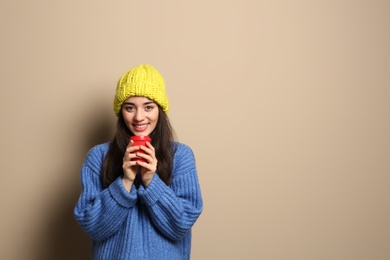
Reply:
x=178 y=146
x=182 y=150
x=95 y=156
x=98 y=151
x=100 y=148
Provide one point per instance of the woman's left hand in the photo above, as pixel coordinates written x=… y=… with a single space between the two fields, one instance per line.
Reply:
x=148 y=168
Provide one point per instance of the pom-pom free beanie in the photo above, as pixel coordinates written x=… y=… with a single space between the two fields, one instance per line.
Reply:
x=141 y=81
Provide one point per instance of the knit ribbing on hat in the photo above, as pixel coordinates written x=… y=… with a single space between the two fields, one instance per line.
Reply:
x=143 y=81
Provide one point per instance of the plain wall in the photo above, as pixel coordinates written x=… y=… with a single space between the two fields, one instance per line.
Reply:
x=285 y=104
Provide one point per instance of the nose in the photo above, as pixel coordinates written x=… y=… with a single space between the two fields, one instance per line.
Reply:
x=139 y=115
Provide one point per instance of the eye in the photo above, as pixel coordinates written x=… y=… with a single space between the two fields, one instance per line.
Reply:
x=129 y=108
x=149 y=108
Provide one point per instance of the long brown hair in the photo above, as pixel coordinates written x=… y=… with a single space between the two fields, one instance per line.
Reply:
x=162 y=141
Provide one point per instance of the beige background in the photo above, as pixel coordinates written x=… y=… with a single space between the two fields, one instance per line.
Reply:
x=285 y=104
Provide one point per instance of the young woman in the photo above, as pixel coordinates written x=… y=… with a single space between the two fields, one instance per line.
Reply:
x=133 y=209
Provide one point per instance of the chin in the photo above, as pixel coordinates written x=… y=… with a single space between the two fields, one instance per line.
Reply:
x=144 y=133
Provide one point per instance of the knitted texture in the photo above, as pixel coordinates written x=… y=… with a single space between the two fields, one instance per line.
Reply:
x=152 y=223
x=144 y=81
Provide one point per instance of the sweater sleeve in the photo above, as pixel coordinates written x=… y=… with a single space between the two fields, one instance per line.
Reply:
x=175 y=209
x=101 y=212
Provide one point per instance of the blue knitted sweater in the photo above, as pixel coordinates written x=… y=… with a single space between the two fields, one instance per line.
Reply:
x=145 y=223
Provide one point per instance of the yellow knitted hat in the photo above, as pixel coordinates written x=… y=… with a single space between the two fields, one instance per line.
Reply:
x=143 y=81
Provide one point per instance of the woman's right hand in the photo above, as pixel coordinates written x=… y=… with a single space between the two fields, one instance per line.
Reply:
x=130 y=168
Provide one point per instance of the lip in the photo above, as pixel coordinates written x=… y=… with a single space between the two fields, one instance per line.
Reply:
x=140 y=127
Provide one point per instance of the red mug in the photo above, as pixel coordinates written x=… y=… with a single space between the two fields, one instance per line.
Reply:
x=138 y=141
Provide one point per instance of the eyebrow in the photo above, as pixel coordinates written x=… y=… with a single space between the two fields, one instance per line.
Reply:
x=146 y=103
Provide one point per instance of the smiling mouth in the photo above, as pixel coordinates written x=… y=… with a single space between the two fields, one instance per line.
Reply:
x=140 y=127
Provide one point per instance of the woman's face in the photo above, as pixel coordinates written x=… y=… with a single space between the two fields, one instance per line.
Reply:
x=140 y=115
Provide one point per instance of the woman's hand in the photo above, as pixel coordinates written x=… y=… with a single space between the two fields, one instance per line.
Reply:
x=129 y=167
x=148 y=168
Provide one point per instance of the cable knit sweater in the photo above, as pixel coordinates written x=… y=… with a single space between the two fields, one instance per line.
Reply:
x=145 y=223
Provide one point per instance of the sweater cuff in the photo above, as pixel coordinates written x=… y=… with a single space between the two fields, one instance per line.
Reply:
x=153 y=192
x=121 y=195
